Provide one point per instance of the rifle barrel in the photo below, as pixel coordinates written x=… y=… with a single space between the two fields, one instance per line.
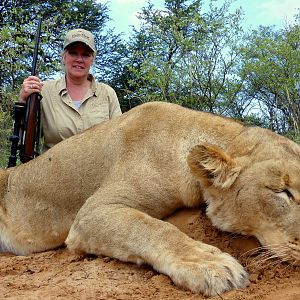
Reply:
x=36 y=47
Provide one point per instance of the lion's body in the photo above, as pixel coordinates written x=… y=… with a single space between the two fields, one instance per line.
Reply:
x=104 y=191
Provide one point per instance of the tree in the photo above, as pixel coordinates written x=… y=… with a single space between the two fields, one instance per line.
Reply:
x=186 y=54
x=271 y=67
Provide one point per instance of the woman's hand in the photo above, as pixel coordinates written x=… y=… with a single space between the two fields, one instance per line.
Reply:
x=31 y=84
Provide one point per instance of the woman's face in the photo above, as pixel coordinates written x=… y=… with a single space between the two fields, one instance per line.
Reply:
x=78 y=59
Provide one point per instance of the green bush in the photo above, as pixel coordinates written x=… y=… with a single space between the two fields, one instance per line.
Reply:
x=6 y=124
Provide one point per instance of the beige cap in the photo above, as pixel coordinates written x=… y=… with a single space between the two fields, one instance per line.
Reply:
x=80 y=35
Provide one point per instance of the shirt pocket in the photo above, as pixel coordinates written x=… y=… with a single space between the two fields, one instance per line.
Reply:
x=97 y=113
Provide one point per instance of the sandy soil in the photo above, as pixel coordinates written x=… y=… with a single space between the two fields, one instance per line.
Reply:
x=61 y=275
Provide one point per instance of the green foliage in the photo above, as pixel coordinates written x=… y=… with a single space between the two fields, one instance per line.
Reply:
x=202 y=59
x=6 y=124
x=271 y=67
x=295 y=136
x=5 y=132
x=186 y=54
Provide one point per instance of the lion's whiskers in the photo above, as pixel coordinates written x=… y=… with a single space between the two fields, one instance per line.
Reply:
x=253 y=251
x=269 y=256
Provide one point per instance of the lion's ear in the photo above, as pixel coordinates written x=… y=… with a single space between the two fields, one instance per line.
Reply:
x=213 y=166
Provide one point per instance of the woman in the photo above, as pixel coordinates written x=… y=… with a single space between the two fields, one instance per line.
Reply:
x=76 y=101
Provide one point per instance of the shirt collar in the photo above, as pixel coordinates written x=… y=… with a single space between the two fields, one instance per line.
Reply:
x=93 y=85
x=62 y=85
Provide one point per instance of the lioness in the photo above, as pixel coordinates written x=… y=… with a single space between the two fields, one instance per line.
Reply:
x=104 y=192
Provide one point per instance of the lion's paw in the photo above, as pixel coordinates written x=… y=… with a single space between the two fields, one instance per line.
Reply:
x=211 y=274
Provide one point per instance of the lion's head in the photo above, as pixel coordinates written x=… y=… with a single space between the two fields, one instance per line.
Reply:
x=254 y=189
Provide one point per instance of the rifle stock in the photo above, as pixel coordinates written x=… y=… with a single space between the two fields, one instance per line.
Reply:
x=30 y=143
x=26 y=131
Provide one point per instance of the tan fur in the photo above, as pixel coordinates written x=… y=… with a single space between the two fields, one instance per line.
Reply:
x=105 y=192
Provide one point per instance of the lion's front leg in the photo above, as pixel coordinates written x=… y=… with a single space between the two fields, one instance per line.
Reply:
x=127 y=234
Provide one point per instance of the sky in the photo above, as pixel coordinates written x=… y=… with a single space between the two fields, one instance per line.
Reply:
x=256 y=12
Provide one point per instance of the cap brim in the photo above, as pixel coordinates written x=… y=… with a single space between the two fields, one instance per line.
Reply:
x=79 y=41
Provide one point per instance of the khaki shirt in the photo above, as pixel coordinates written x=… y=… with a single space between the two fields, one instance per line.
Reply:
x=60 y=117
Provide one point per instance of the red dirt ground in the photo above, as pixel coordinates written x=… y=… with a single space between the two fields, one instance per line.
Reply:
x=59 y=274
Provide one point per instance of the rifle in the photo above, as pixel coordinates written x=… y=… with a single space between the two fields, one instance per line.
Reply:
x=27 y=120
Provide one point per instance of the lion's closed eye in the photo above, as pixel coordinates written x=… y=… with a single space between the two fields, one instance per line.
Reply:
x=283 y=193
x=286 y=195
